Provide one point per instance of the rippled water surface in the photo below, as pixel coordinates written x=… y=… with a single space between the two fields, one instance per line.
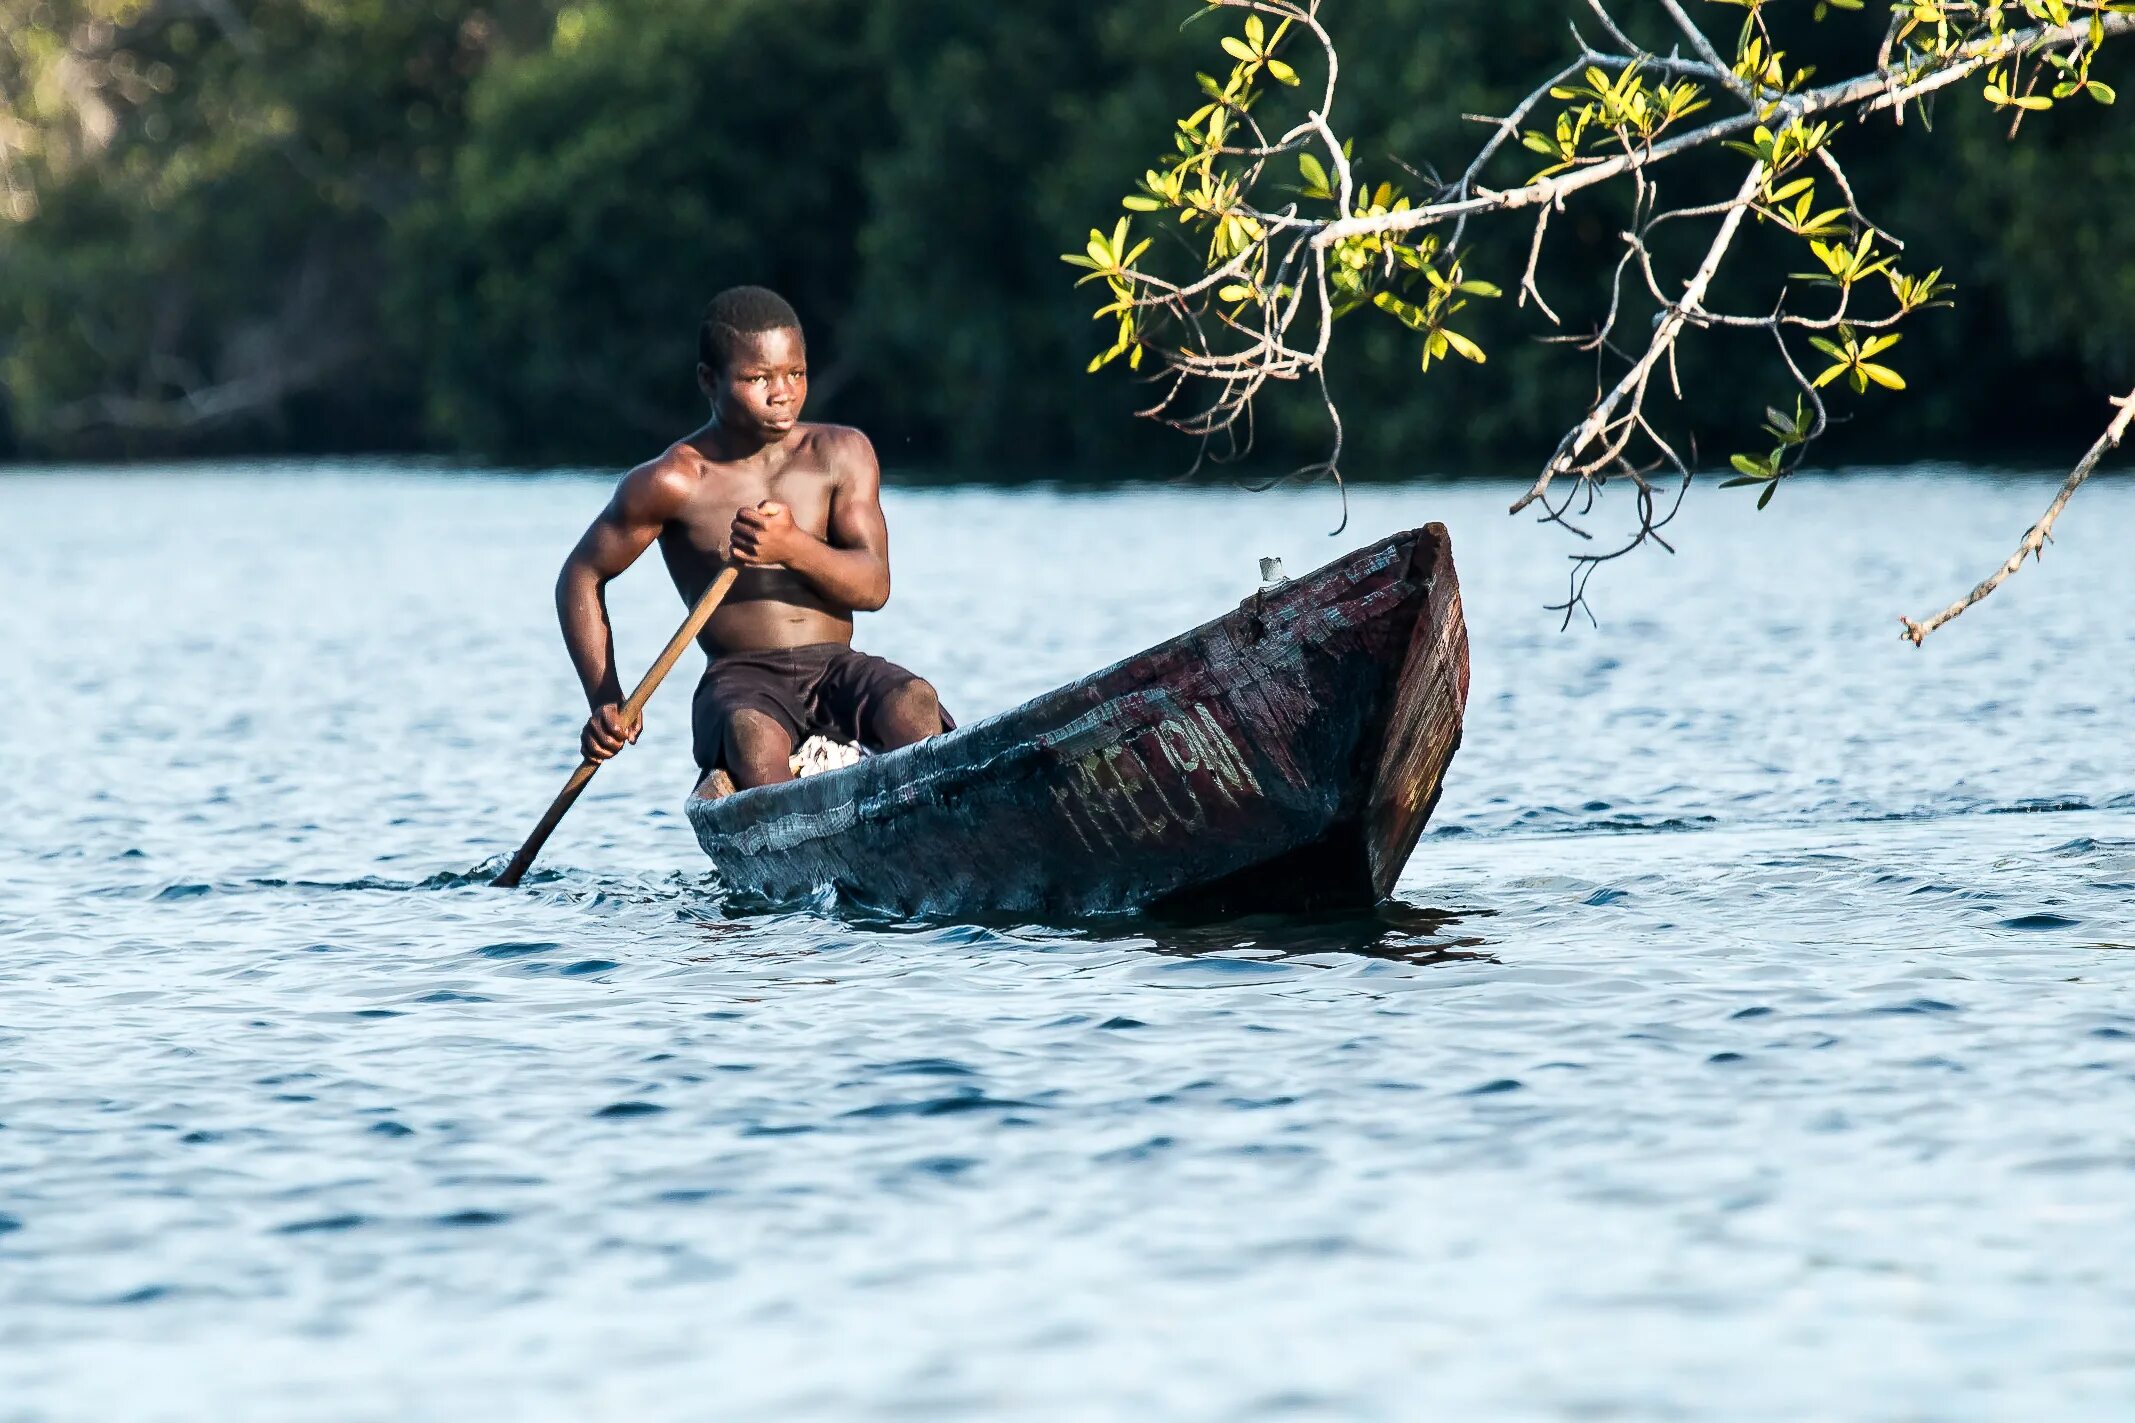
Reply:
x=1752 y=1037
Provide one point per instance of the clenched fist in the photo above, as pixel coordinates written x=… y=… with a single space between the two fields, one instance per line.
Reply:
x=765 y=536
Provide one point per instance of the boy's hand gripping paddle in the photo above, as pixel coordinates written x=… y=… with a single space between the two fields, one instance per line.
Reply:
x=631 y=711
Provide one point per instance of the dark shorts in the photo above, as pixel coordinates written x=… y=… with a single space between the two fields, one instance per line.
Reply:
x=823 y=689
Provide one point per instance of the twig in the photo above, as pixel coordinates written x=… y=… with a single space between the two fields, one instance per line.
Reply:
x=2035 y=538
x=1632 y=386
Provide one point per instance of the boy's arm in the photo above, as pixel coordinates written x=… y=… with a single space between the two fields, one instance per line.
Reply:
x=644 y=501
x=850 y=569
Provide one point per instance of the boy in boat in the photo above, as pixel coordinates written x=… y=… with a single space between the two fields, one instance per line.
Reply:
x=799 y=508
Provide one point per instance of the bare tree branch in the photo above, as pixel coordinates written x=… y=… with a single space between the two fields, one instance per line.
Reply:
x=2036 y=537
x=1632 y=387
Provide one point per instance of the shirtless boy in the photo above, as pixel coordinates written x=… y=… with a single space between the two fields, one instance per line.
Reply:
x=799 y=508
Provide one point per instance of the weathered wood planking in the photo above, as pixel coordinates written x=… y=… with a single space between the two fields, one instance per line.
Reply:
x=1284 y=756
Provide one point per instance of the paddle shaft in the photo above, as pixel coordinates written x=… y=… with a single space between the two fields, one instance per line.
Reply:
x=631 y=711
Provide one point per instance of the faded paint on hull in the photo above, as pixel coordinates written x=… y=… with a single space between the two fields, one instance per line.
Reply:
x=1285 y=755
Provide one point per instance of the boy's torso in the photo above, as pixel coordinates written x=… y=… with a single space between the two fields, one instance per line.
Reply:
x=768 y=607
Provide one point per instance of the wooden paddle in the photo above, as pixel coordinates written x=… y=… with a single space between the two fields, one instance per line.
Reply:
x=631 y=711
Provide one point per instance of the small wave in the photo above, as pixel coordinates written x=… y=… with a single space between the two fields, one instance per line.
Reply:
x=967 y=1100
x=2042 y=920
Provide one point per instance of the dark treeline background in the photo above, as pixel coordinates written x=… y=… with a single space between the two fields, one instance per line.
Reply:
x=486 y=229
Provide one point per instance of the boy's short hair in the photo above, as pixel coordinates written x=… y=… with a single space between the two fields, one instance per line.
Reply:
x=738 y=312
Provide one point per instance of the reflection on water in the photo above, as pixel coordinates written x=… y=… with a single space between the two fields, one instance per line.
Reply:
x=1395 y=930
x=1750 y=1038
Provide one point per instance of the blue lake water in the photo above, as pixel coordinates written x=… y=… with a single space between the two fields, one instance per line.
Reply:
x=1753 y=1037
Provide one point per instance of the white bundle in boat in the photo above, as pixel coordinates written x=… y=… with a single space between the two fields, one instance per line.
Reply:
x=820 y=753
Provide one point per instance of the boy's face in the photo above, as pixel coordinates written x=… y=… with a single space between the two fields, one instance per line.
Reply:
x=763 y=384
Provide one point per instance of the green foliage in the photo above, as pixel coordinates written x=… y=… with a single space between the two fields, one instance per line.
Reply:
x=1267 y=255
x=200 y=209
x=610 y=181
x=493 y=223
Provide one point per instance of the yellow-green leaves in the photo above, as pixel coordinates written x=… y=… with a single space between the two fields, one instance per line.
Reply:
x=1918 y=293
x=1257 y=49
x=1784 y=147
x=1793 y=206
x=1999 y=93
x=1788 y=432
x=2075 y=69
x=1853 y=358
x=1158 y=191
x=1844 y=265
x=1107 y=256
x=1625 y=108
x=1314 y=173
x=1444 y=294
x=1562 y=146
x=1764 y=68
x=1109 y=259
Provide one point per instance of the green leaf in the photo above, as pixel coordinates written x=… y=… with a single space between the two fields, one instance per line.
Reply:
x=1766 y=497
x=1752 y=469
x=1238 y=49
x=1314 y=174
x=2102 y=91
x=1883 y=376
x=1463 y=345
x=1282 y=73
x=1136 y=202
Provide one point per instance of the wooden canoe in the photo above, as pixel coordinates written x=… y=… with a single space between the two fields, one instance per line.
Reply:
x=1283 y=757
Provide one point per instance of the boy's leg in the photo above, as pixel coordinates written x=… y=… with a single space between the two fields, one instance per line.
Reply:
x=758 y=749
x=877 y=703
x=747 y=719
x=911 y=713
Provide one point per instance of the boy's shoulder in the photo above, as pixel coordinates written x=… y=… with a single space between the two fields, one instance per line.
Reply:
x=664 y=483
x=844 y=453
x=839 y=441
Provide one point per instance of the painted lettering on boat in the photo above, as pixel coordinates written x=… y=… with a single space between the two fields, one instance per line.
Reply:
x=1133 y=792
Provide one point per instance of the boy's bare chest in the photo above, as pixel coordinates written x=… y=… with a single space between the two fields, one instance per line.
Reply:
x=807 y=492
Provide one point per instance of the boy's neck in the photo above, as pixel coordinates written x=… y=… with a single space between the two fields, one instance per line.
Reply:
x=721 y=441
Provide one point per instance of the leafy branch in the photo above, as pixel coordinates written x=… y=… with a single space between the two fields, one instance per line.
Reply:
x=1283 y=261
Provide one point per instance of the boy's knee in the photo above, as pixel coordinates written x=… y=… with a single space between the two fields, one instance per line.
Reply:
x=754 y=725
x=756 y=735
x=911 y=713
x=915 y=698
x=757 y=748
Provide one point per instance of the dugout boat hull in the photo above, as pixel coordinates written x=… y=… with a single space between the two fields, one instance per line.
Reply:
x=1283 y=757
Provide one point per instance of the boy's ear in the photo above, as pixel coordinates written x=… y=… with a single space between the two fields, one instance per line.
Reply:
x=707 y=379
